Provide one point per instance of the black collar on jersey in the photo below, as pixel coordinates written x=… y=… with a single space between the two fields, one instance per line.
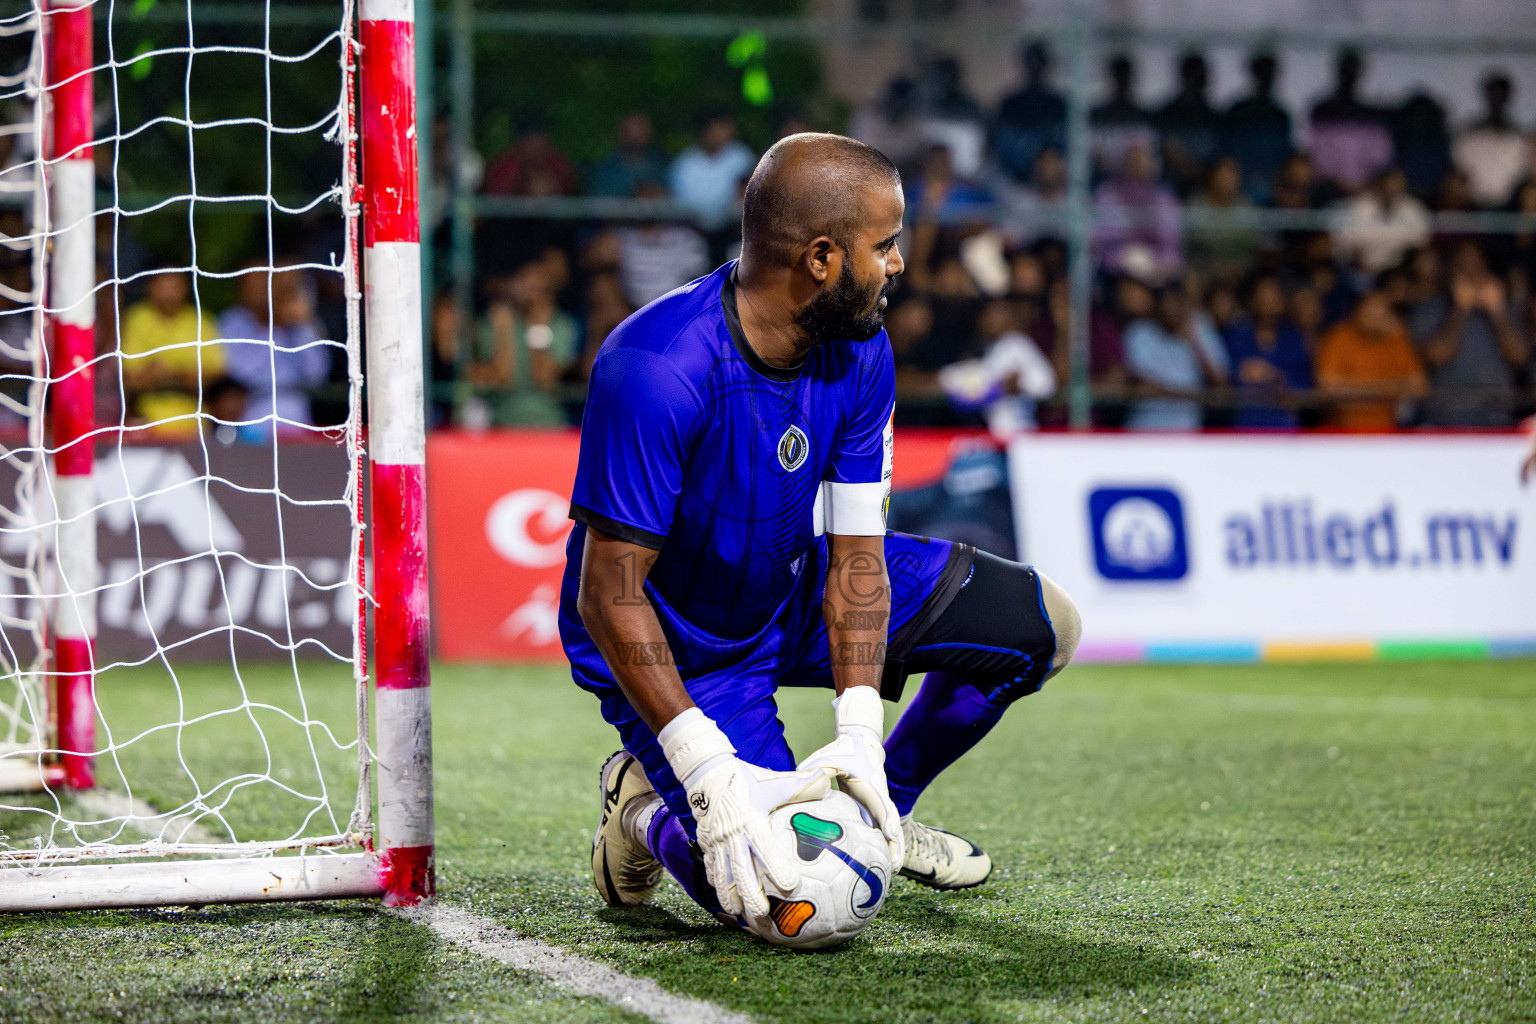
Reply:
x=782 y=374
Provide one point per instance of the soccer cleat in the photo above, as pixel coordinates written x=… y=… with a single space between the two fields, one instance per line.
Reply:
x=623 y=869
x=942 y=860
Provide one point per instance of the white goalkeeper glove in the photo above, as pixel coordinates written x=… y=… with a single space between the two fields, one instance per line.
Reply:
x=857 y=755
x=731 y=801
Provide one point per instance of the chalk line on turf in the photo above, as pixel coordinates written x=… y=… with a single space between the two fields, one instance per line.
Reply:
x=575 y=973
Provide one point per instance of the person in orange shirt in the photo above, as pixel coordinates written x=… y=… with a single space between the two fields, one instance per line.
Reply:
x=1367 y=367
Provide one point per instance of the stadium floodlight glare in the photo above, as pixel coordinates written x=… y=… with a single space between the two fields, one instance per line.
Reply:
x=233 y=794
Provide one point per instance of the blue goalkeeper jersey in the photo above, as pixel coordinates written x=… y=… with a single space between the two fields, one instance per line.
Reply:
x=730 y=468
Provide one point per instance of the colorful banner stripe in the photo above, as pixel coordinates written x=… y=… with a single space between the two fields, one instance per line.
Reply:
x=1249 y=651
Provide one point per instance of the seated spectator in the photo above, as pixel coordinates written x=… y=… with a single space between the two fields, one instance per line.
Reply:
x=1257 y=130
x=1120 y=124
x=657 y=256
x=1031 y=121
x=1349 y=140
x=1133 y=211
x=892 y=124
x=1270 y=362
x=1227 y=250
x=1421 y=143
x=445 y=352
x=1051 y=332
x=940 y=194
x=1175 y=355
x=170 y=352
x=1468 y=339
x=1189 y=128
x=275 y=348
x=1493 y=152
x=1306 y=312
x=1517 y=252
x=523 y=345
x=636 y=162
x=706 y=177
x=224 y=402
x=1007 y=379
x=1378 y=226
x=1366 y=368
x=532 y=165
x=1454 y=196
x=1037 y=210
x=1296 y=186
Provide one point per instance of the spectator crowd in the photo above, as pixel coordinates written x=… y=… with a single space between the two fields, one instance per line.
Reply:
x=1356 y=309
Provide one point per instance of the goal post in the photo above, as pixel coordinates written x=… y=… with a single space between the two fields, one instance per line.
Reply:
x=226 y=568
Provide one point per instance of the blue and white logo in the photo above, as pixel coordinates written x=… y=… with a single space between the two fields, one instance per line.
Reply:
x=1138 y=533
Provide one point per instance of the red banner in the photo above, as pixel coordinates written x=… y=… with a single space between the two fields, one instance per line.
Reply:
x=498 y=506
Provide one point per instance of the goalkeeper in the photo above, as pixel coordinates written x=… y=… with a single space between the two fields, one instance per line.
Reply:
x=730 y=503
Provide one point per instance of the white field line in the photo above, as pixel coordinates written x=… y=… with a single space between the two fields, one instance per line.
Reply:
x=567 y=970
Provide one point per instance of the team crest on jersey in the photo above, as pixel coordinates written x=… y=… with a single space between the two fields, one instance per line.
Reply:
x=793 y=449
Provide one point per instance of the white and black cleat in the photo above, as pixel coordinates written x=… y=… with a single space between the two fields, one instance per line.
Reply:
x=623 y=869
x=942 y=860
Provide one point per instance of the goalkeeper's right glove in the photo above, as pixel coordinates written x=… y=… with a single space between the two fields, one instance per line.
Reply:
x=731 y=801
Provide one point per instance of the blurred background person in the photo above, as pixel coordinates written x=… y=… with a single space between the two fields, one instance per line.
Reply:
x=635 y=162
x=1032 y=120
x=1348 y=138
x=1188 y=127
x=1120 y=123
x=170 y=352
x=274 y=348
x=1256 y=130
x=707 y=176
x=1174 y=355
x=1010 y=376
x=1378 y=226
x=524 y=344
x=1271 y=366
x=1133 y=211
x=1469 y=341
x=1367 y=370
x=1492 y=151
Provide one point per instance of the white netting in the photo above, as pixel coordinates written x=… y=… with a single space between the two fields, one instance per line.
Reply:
x=230 y=705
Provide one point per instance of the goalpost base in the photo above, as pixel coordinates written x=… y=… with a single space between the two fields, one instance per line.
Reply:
x=191 y=883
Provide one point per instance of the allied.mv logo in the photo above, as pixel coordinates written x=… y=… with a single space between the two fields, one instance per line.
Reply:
x=793 y=449
x=1138 y=533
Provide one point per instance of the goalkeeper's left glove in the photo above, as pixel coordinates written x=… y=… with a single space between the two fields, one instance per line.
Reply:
x=858 y=757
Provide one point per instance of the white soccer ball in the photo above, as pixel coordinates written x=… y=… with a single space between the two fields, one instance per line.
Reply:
x=845 y=873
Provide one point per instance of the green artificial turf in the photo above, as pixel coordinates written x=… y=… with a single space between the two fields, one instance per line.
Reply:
x=1255 y=843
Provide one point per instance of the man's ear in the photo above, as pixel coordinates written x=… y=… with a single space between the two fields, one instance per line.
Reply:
x=823 y=260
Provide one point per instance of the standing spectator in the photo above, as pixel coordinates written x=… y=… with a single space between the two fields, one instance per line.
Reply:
x=1135 y=213
x=657 y=256
x=524 y=344
x=706 y=177
x=274 y=348
x=1468 y=338
x=1120 y=124
x=1377 y=227
x=634 y=164
x=1175 y=355
x=891 y=123
x=532 y=165
x=1349 y=140
x=1367 y=368
x=1257 y=130
x=951 y=118
x=1224 y=251
x=1270 y=362
x=1031 y=121
x=170 y=351
x=1421 y=141
x=1189 y=128
x=1493 y=152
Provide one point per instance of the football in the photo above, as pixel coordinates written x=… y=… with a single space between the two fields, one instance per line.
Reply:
x=845 y=872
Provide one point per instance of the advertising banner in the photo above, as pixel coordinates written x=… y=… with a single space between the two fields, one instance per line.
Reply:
x=498 y=506
x=1247 y=547
x=192 y=540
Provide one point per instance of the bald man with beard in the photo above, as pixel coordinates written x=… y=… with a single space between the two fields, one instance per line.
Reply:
x=730 y=539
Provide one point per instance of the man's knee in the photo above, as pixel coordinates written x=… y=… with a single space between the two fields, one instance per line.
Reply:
x=1065 y=622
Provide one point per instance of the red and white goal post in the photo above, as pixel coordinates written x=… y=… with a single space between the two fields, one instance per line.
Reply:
x=215 y=568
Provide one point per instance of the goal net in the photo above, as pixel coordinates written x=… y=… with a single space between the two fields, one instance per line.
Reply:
x=201 y=207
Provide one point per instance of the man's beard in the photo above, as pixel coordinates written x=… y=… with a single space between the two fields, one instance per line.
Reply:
x=839 y=312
